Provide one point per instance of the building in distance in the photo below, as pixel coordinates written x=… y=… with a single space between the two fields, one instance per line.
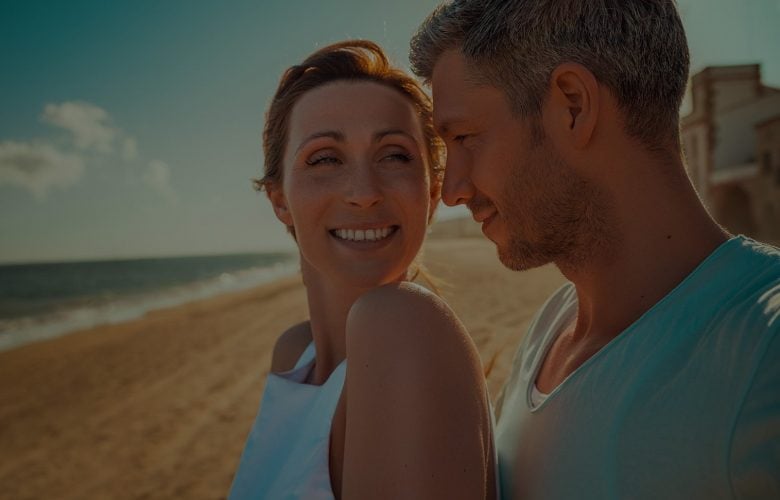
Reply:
x=731 y=141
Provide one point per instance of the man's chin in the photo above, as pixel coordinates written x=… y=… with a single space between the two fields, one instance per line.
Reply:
x=520 y=259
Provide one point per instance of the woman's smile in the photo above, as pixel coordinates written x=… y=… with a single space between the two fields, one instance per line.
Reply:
x=367 y=235
x=365 y=239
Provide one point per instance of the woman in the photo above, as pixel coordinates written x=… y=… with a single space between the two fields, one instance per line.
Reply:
x=353 y=170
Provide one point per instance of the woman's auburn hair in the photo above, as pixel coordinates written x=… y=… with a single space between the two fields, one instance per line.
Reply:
x=350 y=60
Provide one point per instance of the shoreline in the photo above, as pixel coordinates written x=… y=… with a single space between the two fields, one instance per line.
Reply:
x=160 y=406
x=20 y=331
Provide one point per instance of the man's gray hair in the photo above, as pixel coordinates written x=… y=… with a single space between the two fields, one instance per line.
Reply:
x=637 y=48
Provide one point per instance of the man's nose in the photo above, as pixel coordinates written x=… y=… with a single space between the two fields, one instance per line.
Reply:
x=457 y=188
x=363 y=189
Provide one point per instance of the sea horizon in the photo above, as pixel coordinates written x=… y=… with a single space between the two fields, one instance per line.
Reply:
x=123 y=258
x=41 y=300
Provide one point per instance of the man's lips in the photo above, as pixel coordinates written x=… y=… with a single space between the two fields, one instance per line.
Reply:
x=481 y=209
x=485 y=217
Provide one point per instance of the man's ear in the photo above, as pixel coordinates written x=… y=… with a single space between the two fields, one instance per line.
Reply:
x=572 y=108
x=279 y=203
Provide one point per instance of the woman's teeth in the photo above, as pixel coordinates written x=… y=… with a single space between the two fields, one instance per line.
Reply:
x=363 y=235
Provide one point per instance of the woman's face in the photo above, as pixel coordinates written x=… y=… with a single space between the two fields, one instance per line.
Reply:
x=356 y=183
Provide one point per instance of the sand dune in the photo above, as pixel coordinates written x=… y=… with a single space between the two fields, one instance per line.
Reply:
x=159 y=407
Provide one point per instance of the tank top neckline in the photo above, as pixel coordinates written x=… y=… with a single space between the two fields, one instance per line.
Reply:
x=303 y=367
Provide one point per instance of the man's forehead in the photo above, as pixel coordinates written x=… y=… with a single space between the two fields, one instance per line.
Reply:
x=450 y=71
x=447 y=114
x=459 y=95
x=450 y=85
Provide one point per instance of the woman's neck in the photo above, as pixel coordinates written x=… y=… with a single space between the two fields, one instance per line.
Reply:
x=329 y=305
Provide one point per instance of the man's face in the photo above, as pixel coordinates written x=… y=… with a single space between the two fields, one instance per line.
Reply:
x=531 y=204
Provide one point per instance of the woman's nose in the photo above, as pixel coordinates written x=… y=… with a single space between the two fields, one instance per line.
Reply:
x=363 y=189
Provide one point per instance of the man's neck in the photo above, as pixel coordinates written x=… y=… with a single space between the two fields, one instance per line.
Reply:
x=662 y=233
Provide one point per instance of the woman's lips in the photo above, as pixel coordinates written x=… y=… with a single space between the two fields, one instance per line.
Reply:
x=365 y=239
x=370 y=234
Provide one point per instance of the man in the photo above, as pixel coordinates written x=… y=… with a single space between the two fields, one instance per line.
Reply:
x=654 y=373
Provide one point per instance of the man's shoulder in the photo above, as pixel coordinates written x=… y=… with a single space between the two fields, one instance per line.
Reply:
x=763 y=249
x=735 y=310
x=736 y=286
x=764 y=257
x=761 y=285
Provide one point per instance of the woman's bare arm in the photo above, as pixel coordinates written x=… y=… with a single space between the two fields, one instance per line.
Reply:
x=417 y=417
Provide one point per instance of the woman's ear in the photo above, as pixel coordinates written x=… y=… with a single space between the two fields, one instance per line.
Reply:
x=279 y=203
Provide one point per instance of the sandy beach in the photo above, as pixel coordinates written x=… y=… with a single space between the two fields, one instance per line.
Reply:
x=159 y=407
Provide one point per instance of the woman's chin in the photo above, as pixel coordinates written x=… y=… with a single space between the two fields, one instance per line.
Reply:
x=367 y=279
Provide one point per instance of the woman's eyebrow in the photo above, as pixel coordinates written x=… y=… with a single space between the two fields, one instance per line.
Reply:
x=339 y=136
x=336 y=135
x=378 y=136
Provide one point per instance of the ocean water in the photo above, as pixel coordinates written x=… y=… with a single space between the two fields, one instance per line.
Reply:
x=39 y=301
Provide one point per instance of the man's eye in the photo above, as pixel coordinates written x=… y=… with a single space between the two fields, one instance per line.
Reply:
x=460 y=138
x=322 y=160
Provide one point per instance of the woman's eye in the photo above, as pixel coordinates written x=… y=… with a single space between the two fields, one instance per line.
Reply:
x=401 y=157
x=322 y=160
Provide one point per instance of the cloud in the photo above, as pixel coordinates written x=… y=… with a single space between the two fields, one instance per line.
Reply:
x=38 y=167
x=129 y=149
x=88 y=123
x=43 y=164
x=158 y=176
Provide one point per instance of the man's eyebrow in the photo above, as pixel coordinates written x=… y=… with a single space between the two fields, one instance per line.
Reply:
x=336 y=135
x=445 y=126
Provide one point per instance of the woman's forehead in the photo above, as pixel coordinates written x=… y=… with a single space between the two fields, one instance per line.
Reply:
x=353 y=106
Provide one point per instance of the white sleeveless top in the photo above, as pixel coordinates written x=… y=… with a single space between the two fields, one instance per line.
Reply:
x=287 y=451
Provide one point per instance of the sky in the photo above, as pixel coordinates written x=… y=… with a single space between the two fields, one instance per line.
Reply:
x=132 y=129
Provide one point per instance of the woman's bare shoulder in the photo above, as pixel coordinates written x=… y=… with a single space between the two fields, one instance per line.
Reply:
x=289 y=347
x=400 y=316
x=408 y=328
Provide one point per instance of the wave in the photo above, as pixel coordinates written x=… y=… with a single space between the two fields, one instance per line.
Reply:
x=20 y=331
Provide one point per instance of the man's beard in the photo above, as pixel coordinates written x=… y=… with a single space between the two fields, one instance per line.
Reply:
x=555 y=215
